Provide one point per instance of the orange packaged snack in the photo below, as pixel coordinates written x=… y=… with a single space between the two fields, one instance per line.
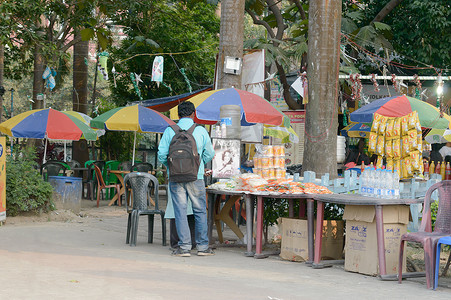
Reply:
x=413 y=139
x=389 y=148
x=396 y=147
x=419 y=142
x=380 y=162
x=382 y=125
x=389 y=164
x=389 y=128
x=404 y=125
x=372 y=142
x=380 y=145
x=413 y=119
x=376 y=122
x=405 y=145
x=397 y=127
x=397 y=165
x=414 y=155
x=409 y=168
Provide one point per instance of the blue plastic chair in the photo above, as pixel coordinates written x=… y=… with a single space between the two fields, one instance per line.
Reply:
x=445 y=241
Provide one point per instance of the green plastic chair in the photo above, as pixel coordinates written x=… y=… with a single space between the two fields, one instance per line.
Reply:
x=110 y=178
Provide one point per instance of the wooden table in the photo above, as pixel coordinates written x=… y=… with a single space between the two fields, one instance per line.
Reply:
x=356 y=199
x=120 y=176
x=215 y=216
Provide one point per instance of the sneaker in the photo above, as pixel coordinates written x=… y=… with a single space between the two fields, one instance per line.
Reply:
x=207 y=252
x=181 y=252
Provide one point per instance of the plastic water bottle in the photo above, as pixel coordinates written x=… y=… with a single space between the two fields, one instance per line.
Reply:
x=364 y=183
x=377 y=180
x=384 y=184
x=389 y=184
x=370 y=186
x=396 y=194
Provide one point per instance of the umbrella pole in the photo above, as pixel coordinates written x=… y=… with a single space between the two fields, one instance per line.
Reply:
x=134 y=142
x=65 y=151
x=45 y=151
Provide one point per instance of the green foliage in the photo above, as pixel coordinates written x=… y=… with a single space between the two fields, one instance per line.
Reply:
x=25 y=188
x=434 y=208
x=420 y=30
x=278 y=208
x=155 y=27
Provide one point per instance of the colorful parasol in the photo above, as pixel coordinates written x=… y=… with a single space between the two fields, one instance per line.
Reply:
x=438 y=136
x=47 y=123
x=399 y=106
x=254 y=109
x=85 y=119
x=135 y=118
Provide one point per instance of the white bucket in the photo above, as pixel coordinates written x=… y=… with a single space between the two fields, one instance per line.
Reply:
x=231 y=116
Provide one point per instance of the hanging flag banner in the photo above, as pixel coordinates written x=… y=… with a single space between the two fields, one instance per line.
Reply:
x=157 y=70
x=103 y=64
x=49 y=76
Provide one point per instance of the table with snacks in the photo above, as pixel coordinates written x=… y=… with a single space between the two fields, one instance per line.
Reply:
x=250 y=186
x=356 y=199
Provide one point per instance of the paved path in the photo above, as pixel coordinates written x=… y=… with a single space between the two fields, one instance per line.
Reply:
x=87 y=258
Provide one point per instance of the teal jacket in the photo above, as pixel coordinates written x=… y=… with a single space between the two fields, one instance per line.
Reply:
x=203 y=143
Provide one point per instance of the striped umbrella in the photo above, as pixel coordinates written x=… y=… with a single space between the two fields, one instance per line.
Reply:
x=134 y=118
x=47 y=123
x=400 y=106
x=254 y=109
x=85 y=119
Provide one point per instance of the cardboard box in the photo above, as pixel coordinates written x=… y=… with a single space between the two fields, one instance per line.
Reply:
x=294 y=246
x=361 y=241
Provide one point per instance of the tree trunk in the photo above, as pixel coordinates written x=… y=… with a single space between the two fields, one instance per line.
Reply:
x=386 y=10
x=38 y=82
x=2 y=65
x=231 y=36
x=80 y=77
x=80 y=95
x=320 y=154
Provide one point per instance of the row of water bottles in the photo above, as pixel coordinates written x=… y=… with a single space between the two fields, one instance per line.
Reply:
x=379 y=183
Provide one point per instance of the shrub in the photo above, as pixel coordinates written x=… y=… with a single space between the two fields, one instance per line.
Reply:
x=25 y=188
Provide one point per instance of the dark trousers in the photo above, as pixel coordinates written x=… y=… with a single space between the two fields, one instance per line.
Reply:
x=174 y=238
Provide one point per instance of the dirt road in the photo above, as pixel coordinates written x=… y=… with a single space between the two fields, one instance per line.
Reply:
x=63 y=256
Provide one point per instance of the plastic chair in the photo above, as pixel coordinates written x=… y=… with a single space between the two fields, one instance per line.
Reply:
x=110 y=178
x=91 y=182
x=442 y=241
x=52 y=168
x=101 y=184
x=425 y=236
x=142 y=167
x=140 y=194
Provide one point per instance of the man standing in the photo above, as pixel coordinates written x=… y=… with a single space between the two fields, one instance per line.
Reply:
x=195 y=190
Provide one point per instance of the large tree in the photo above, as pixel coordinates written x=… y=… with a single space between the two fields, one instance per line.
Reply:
x=322 y=72
x=230 y=40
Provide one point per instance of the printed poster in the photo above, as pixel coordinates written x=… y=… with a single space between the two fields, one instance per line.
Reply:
x=294 y=153
x=2 y=178
x=226 y=162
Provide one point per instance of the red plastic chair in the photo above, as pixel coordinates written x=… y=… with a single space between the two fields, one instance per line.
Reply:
x=425 y=236
x=101 y=184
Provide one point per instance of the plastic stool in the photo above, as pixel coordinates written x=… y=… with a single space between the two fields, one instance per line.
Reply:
x=445 y=241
